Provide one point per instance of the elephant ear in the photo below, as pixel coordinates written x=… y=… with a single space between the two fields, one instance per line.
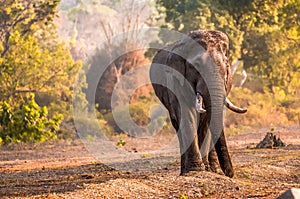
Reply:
x=228 y=79
x=223 y=48
x=176 y=62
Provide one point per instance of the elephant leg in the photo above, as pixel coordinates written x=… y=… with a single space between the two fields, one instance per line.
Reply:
x=189 y=146
x=213 y=161
x=223 y=155
x=189 y=149
x=190 y=158
x=183 y=155
x=208 y=152
x=193 y=158
x=205 y=144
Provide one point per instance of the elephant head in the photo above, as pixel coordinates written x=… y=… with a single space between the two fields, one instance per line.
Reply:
x=197 y=73
x=214 y=48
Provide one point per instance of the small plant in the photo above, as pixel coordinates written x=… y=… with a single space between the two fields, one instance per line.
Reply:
x=91 y=138
x=201 y=183
x=145 y=155
x=183 y=196
x=121 y=143
x=206 y=193
x=245 y=174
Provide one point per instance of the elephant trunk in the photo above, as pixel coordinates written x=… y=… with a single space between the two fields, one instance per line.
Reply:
x=213 y=92
x=214 y=110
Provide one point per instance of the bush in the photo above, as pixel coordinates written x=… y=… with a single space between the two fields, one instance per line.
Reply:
x=27 y=122
x=139 y=113
x=264 y=109
x=88 y=127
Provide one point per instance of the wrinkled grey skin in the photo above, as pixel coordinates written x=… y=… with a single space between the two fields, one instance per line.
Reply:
x=177 y=73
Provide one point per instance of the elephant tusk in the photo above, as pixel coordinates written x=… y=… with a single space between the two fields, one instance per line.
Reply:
x=199 y=103
x=233 y=107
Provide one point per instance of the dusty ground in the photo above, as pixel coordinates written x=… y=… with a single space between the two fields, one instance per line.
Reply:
x=67 y=170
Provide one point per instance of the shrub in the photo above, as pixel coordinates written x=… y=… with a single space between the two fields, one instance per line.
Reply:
x=27 y=122
x=264 y=109
x=139 y=113
x=88 y=127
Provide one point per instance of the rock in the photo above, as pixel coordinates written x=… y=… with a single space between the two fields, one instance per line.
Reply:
x=270 y=141
x=292 y=193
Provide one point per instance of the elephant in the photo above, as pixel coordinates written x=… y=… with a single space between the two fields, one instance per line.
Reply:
x=192 y=78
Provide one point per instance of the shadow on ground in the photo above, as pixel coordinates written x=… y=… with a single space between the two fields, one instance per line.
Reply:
x=57 y=180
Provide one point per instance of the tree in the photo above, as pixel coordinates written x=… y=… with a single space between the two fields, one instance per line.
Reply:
x=270 y=44
x=29 y=68
x=263 y=34
x=122 y=20
x=25 y=16
x=34 y=61
x=184 y=16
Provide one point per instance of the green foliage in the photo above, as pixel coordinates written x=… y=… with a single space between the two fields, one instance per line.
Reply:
x=29 y=67
x=121 y=143
x=33 y=60
x=25 y=17
x=185 y=16
x=183 y=196
x=271 y=41
x=263 y=34
x=27 y=123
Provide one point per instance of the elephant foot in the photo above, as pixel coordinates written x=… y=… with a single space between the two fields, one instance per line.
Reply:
x=226 y=166
x=192 y=166
x=213 y=162
x=212 y=167
x=229 y=172
x=207 y=167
